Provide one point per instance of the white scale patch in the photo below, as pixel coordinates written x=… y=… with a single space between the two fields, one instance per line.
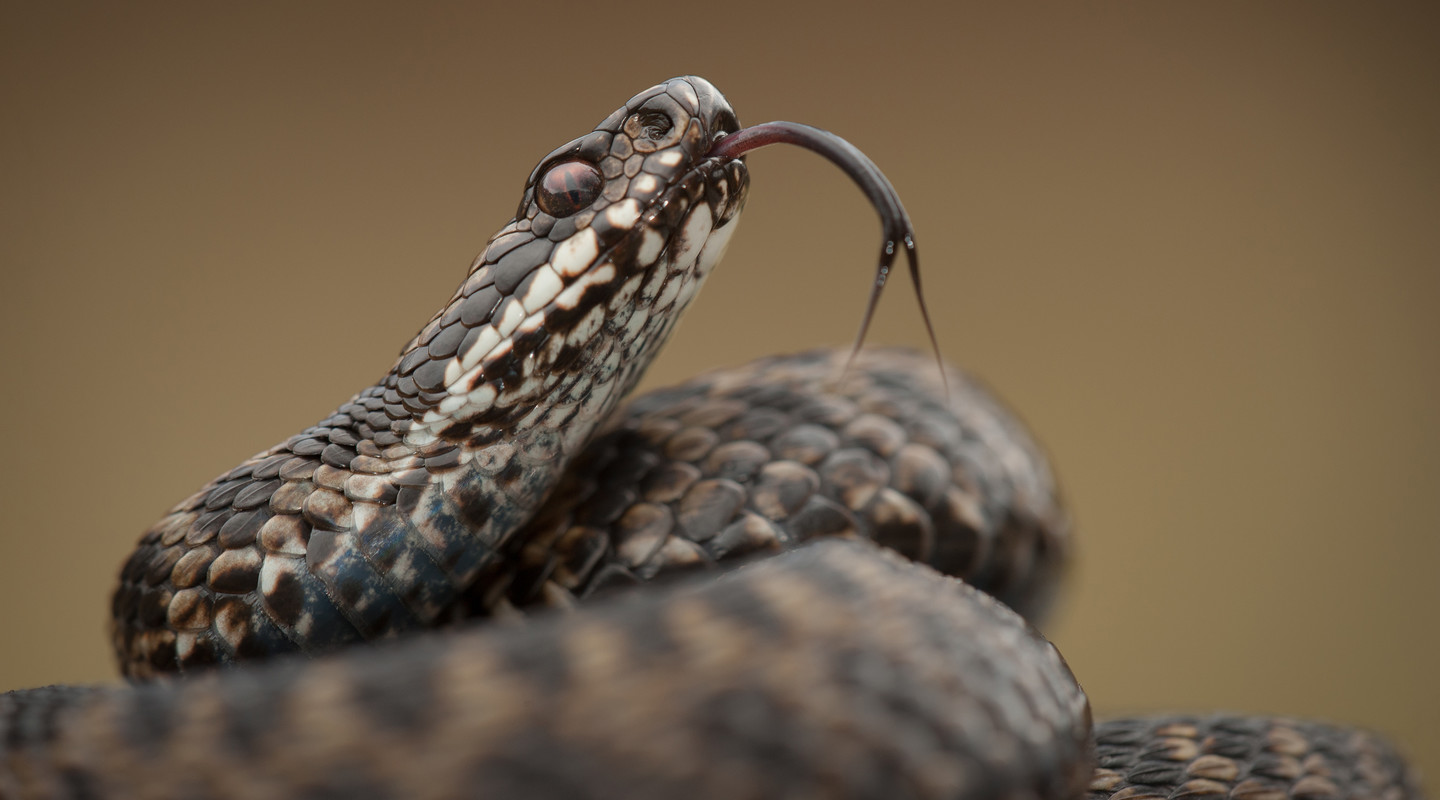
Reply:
x=623 y=214
x=651 y=243
x=449 y=405
x=692 y=238
x=574 y=255
x=510 y=317
x=453 y=371
x=669 y=158
x=543 y=288
x=715 y=246
x=688 y=290
x=637 y=321
x=532 y=323
x=710 y=254
x=482 y=398
x=645 y=184
x=670 y=292
x=365 y=515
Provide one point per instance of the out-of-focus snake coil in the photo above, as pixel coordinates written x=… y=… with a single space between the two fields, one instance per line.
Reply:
x=485 y=477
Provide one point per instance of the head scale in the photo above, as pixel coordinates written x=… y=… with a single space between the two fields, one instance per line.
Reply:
x=568 y=303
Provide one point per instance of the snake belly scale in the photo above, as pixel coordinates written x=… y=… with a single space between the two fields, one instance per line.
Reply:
x=484 y=476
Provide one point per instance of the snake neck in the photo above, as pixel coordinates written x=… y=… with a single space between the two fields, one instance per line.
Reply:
x=475 y=453
x=484 y=409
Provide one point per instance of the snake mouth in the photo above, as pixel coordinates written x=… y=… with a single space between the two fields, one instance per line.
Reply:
x=897 y=230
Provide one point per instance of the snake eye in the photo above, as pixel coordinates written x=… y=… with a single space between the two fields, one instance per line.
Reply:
x=568 y=187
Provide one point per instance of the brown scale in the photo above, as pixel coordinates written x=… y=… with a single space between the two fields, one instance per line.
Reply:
x=1245 y=758
x=716 y=470
x=836 y=671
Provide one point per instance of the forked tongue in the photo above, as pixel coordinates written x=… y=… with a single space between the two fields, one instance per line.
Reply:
x=894 y=222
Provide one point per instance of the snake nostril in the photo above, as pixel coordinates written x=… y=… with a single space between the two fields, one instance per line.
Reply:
x=567 y=187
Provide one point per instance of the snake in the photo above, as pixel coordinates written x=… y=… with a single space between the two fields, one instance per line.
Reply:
x=815 y=575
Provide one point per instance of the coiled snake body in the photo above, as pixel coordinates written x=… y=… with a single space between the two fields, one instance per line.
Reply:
x=441 y=494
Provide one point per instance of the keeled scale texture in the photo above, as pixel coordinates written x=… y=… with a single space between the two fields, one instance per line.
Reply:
x=769 y=455
x=834 y=671
x=1245 y=758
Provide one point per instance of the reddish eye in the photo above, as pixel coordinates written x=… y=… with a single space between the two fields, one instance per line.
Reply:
x=568 y=187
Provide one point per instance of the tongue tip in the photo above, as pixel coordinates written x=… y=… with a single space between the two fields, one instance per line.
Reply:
x=877 y=188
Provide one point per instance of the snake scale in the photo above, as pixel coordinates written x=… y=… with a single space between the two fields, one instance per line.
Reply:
x=481 y=479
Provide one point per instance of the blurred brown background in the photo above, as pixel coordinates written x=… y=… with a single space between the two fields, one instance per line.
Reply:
x=1197 y=246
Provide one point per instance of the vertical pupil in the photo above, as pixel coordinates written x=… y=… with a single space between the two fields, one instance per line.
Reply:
x=568 y=187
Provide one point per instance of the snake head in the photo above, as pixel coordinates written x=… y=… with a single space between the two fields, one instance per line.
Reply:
x=568 y=303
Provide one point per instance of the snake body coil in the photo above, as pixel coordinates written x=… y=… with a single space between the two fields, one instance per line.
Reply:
x=476 y=480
